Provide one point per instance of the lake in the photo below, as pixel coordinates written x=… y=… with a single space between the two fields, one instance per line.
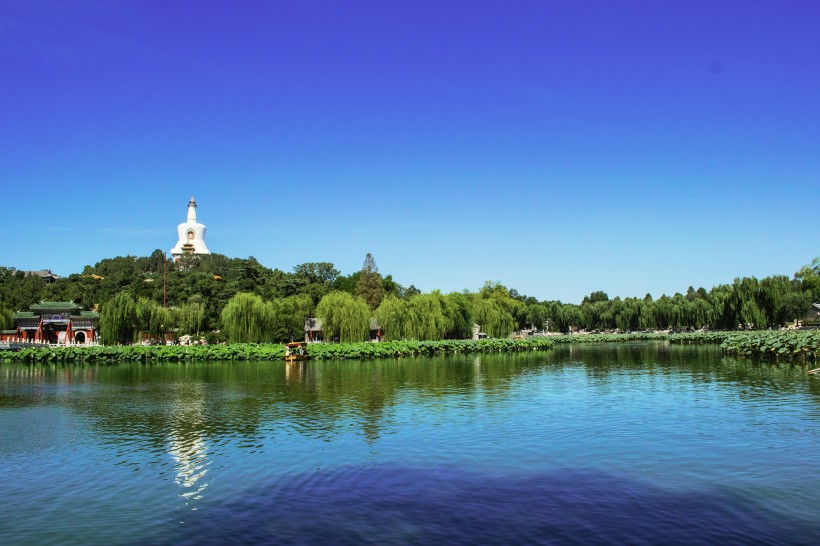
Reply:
x=585 y=444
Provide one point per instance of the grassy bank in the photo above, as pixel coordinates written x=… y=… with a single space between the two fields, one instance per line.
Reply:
x=251 y=351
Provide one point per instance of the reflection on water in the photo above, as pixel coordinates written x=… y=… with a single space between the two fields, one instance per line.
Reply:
x=186 y=443
x=585 y=443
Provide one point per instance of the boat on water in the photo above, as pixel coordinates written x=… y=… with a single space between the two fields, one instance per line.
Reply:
x=296 y=351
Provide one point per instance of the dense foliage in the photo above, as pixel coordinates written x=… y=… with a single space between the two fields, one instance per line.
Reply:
x=774 y=344
x=248 y=319
x=253 y=351
x=700 y=337
x=610 y=338
x=118 y=319
x=199 y=300
x=771 y=344
x=344 y=317
x=369 y=285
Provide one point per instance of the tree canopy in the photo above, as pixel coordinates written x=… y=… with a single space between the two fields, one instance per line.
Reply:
x=344 y=317
x=369 y=286
x=128 y=291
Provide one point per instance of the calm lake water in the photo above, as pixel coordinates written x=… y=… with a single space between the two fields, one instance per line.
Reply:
x=588 y=444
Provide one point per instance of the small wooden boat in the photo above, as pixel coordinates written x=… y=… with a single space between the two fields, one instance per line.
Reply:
x=296 y=351
x=815 y=371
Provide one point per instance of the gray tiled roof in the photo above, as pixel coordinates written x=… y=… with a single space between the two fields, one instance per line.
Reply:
x=52 y=305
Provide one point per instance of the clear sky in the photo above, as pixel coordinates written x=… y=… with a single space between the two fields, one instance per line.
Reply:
x=557 y=147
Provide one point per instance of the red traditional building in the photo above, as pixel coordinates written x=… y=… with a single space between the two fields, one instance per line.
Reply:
x=56 y=322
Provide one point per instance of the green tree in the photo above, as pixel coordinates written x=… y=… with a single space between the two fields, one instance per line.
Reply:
x=6 y=318
x=390 y=316
x=596 y=297
x=426 y=319
x=493 y=319
x=315 y=278
x=458 y=308
x=145 y=311
x=370 y=287
x=537 y=315
x=795 y=305
x=392 y=287
x=752 y=315
x=290 y=316
x=347 y=283
x=118 y=319
x=248 y=319
x=153 y=319
x=809 y=276
x=317 y=272
x=191 y=317
x=771 y=292
x=699 y=313
x=344 y=316
x=411 y=291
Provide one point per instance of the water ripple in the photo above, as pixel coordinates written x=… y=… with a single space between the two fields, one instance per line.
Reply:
x=401 y=505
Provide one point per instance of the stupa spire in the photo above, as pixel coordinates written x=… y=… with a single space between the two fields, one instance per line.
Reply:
x=192 y=210
x=191 y=235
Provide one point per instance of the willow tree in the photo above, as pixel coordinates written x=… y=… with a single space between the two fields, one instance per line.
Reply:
x=191 y=317
x=699 y=313
x=772 y=291
x=537 y=315
x=458 y=308
x=146 y=315
x=724 y=315
x=344 y=316
x=290 y=314
x=493 y=319
x=744 y=302
x=390 y=317
x=152 y=318
x=427 y=320
x=752 y=315
x=118 y=318
x=163 y=321
x=6 y=318
x=502 y=296
x=248 y=319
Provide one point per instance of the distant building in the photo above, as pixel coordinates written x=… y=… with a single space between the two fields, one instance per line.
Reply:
x=314 y=333
x=46 y=274
x=313 y=330
x=191 y=235
x=60 y=322
x=813 y=314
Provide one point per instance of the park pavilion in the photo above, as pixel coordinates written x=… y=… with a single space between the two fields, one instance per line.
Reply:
x=54 y=322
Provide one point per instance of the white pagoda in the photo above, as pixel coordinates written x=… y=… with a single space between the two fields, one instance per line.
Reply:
x=191 y=235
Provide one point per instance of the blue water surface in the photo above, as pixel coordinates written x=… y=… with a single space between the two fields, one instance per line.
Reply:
x=640 y=443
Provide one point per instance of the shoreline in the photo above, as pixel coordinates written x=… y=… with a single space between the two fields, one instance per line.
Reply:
x=773 y=345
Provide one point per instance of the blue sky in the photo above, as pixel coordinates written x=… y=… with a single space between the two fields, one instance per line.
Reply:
x=557 y=147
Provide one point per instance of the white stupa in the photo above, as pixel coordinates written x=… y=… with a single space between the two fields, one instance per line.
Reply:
x=191 y=235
